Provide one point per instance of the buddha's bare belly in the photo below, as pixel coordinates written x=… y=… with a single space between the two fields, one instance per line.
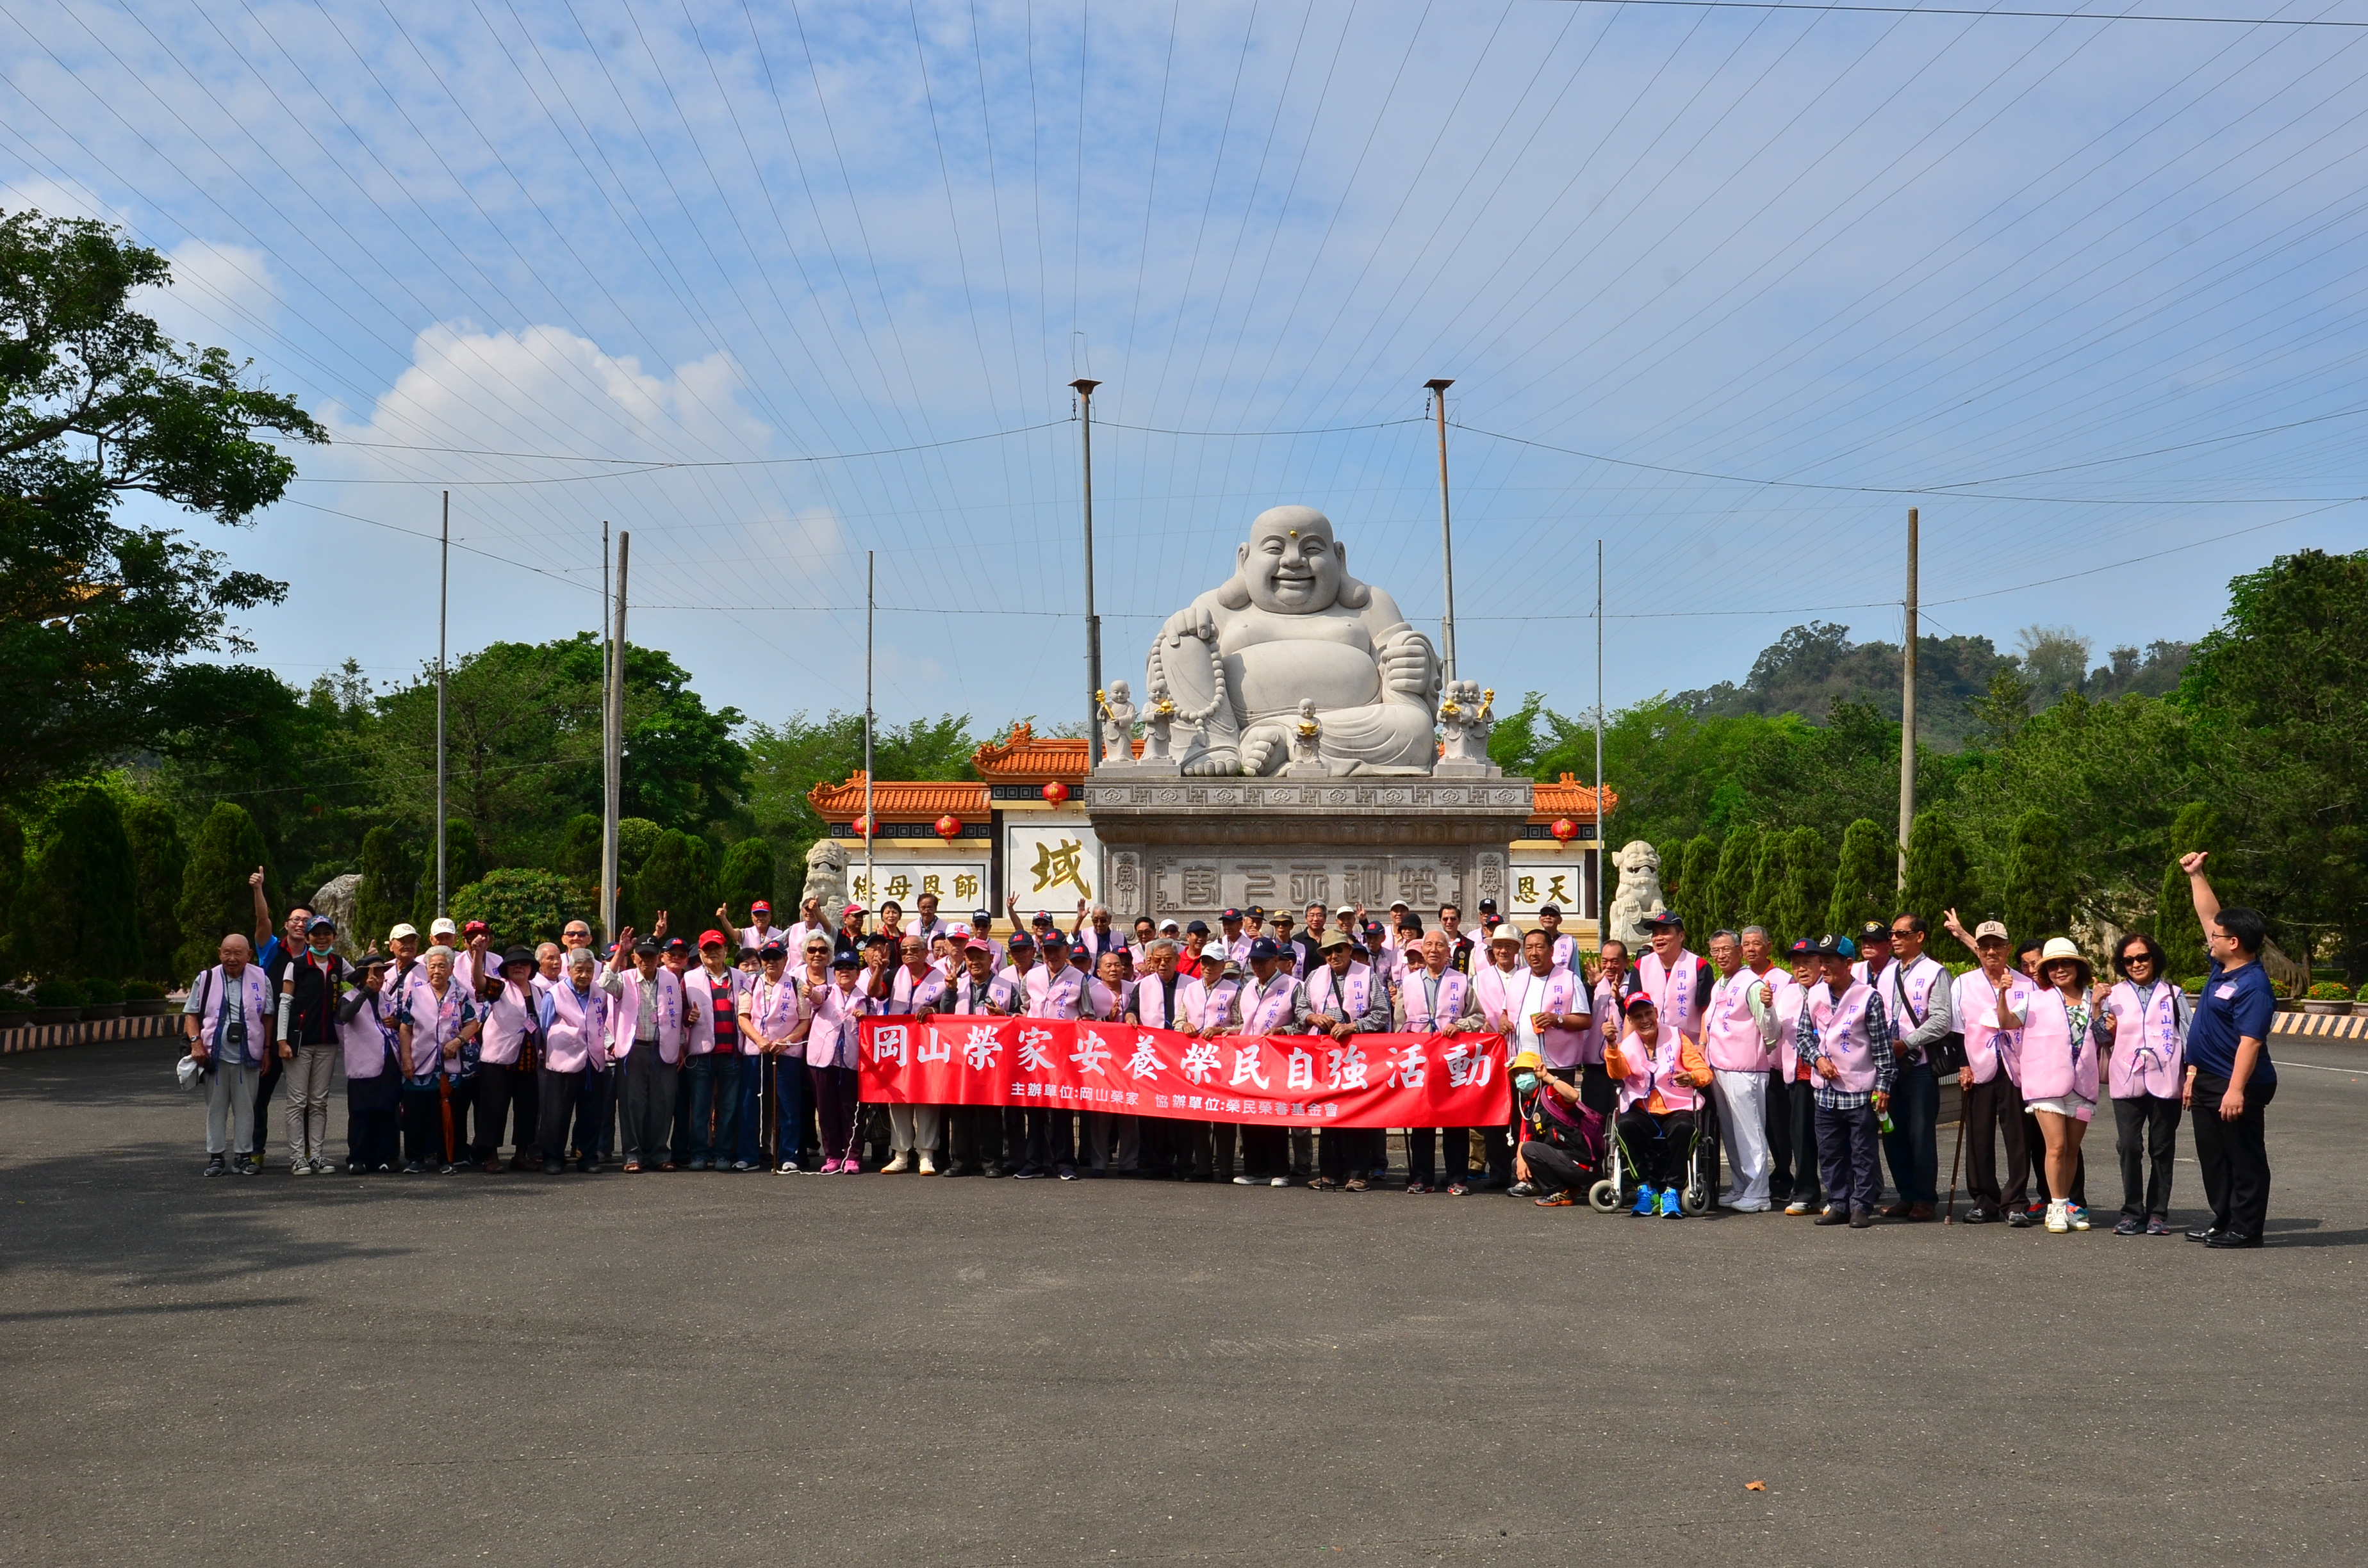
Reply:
x=1272 y=677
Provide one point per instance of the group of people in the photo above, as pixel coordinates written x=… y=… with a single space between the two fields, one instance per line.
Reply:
x=738 y=1052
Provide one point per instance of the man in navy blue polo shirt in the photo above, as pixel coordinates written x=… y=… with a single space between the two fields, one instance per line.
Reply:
x=2229 y=1077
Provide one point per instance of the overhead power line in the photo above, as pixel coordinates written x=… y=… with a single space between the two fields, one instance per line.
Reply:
x=1970 y=11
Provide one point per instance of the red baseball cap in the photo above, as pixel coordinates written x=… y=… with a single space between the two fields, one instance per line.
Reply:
x=760 y=907
x=711 y=939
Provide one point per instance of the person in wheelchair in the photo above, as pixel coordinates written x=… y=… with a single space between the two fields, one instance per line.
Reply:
x=1661 y=1076
x=1560 y=1150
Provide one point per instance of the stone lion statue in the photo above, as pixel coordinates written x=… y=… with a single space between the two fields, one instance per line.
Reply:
x=827 y=878
x=1639 y=895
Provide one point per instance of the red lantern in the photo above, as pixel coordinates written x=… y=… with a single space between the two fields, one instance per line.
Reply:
x=1056 y=791
x=860 y=827
x=1563 y=830
x=948 y=827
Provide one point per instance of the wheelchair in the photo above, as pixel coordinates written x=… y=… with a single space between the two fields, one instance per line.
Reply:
x=1699 y=1191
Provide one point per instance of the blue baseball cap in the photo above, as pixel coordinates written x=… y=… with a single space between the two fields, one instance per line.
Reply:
x=1265 y=948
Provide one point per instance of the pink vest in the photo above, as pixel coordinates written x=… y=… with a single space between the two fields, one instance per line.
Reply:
x=966 y=995
x=1676 y=992
x=507 y=1016
x=1454 y=985
x=1730 y=1038
x=254 y=999
x=1990 y=1047
x=1264 y=1008
x=1049 y=997
x=1203 y=1006
x=367 y=1039
x=906 y=995
x=1661 y=1067
x=699 y=985
x=624 y=1018
x=1150 y=1002
x=1355 y=990
x=2147 y=1047
x=2054 y=1064
x=432 y=1023
x=774 y=1009
x=571 y=1042
x=832 y=1041
x=1524 y=994
x=1841 y=1036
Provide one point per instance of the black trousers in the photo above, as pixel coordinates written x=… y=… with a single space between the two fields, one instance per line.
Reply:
x=2145 y=1132
x=1202 y=1149
x=1265 y=1151
x=1993 y=1113
x=566 y=1111
x=423 y=1124
x=1345 y=1151
x=2235 y=1156
x=1454 y=1144
x=502 y=1092
x=1555 y=1171
x=1785 y=1174
x=1808 y=1181
x=1042 y=1138
x=264 y=1086
x=1659 y=1143
x=975 y=1137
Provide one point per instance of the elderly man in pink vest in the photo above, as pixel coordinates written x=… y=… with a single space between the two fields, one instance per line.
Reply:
x=1345 y=999
x=1435 y=999
x=649 y=1024
x=1844 y=1039
x=229 y=1021
x=1739 y=1038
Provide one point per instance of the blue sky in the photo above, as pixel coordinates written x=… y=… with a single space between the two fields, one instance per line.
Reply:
x=772 y=285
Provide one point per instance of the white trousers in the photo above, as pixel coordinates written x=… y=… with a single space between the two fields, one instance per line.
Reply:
x=1743 y=1126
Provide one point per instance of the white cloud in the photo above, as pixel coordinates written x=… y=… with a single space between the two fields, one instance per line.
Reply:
x=221 y=294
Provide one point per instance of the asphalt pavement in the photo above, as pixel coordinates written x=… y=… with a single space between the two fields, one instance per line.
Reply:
x=710 y=1370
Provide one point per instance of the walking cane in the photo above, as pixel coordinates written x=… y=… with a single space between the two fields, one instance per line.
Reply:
x=1949 y=1215
x=444 y=1096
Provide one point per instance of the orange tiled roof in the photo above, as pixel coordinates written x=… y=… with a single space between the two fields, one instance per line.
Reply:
x=1027 y=757
x=901 y=801
x=1566 y=797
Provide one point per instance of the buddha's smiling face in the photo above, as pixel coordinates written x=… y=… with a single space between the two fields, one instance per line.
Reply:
x=1290 y=564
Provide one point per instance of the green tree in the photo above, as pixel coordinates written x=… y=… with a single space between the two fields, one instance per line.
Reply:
x=1808 y=884
x=746 y=876
x=12 y=876
x=637 y=836
x=579 y=848
x=2176 y=927
x=1730 y=894
x=159 y=861
x=1671 y=853
x=390 y=882
x=1939 y=874
x=78 y=907
x=1770 y=869
x=520 y=905
x=95 y=404
x=678 y=879
x=787 y=759
x=215 y=900
x=1693 y=901
x=1865 y=879
x=464 y=862
x=2038 y=889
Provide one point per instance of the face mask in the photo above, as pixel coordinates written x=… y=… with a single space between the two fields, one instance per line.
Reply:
x=1525 y=1082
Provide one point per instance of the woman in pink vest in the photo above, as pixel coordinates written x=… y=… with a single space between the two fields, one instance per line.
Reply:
x=2059 y=1072
x=366 y=1039
x=570 y=1093
x=2144 y=1020
x=839 y=1006
x=1661 y=1074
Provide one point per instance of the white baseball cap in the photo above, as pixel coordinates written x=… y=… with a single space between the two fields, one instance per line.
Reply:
x=406 y=930
x=443 y=926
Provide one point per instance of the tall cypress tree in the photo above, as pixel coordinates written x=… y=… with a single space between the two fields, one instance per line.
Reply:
x=1808 y=884
x=2175 y=925
x=1866 y=878
x=1940 y=876
x=748 y=876
x=12 y=875
x=160 y=859
x=1730 y=891
x=214 y=897
x=1771 y=866
x=675 y=880
x=1672 y=854
x=1694 y=899
x=77 y=908
x=463 y=862
x=2038 y=877
x=390 y=882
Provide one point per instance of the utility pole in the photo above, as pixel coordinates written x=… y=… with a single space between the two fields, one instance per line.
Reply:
x=610 y=854
x=1601 y=840
x=443 y=596
x=1085 y=391
x=871 y=828
x=1908 y=712
x=1439 y=385
x=607 y=907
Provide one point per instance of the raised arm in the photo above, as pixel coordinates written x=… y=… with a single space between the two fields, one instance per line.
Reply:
x=2199 y=887
x=263 y=911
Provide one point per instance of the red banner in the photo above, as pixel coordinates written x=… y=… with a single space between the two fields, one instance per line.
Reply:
x=1372 y=1080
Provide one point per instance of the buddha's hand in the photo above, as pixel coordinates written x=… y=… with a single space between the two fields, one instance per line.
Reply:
x=1192 y=621
x=1407 y=665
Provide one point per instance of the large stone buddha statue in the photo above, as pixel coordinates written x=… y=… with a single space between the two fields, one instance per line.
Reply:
x=1292 y=625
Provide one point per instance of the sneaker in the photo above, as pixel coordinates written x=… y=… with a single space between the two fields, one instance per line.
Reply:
x=300 y=1167
x=1648 y=1200
x=1672 y=1207
x=1031 y=1173
x=788 y=1167
x=2018 y=1218
x=446 y=1168
x=929 y=1165
x=553 y=1168
x=1752 y=1206
x=1238 y=1181
x=1563 y=1200
x=216 y=1165
x=2058 y=1221
x=2078 y=1214
x=2159 y=1226
x=1978 y=1215
x=1279 y=1181
x=899 y=1166
x=247 y=1168
x=1417 y=1186
x=414 y=1169
x=2129 y=1225
x=1524 y=1189
x=1798 y=1206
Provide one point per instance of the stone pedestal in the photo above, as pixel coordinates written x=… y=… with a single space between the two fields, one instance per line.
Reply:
x=1188 y=848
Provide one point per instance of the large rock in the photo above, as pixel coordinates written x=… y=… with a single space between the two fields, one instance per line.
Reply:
x=338 y=898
